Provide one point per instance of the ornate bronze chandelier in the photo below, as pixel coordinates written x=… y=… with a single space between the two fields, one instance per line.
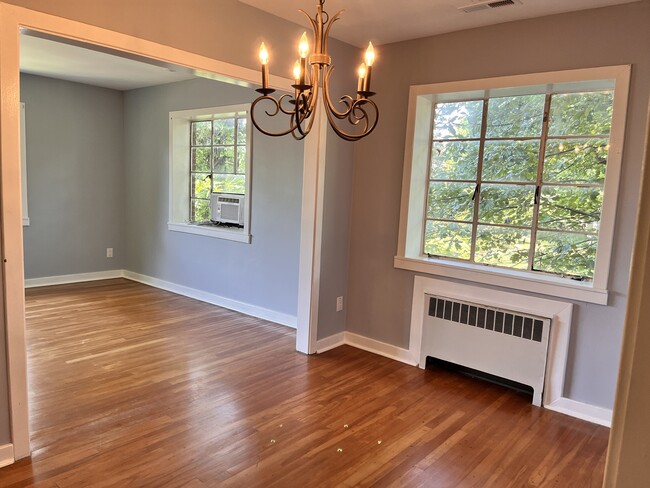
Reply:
x=358 y=115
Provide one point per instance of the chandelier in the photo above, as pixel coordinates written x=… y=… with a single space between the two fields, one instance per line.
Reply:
x=356 y=116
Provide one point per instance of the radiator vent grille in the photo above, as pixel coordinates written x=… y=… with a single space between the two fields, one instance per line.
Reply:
x=499 y=321
x=501 y=3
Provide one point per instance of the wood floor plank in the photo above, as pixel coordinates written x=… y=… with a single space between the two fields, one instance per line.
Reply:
x=134 y=386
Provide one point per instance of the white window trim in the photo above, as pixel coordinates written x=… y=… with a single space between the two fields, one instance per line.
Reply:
x=179 y=174
x=414 y=186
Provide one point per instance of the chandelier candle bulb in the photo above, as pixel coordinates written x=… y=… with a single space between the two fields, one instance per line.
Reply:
x=264 y=58
x=370 y=59
x=303 y=50
x=297 y=72
x=362 y=77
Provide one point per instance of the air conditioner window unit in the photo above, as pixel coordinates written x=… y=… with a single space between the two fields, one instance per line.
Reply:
x=227 y=208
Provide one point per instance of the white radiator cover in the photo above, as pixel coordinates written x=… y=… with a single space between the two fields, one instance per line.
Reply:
x=510 y=344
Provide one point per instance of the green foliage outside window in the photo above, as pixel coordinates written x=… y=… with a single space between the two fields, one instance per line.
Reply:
x=526 y=190
x=218 y=158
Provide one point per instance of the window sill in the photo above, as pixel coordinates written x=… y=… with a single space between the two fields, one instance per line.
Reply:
x=518 y=280
x=237 y=235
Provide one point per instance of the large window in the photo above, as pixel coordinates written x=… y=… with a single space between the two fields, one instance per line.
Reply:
x=518 y=181
x=210 y=152
x=519 y=177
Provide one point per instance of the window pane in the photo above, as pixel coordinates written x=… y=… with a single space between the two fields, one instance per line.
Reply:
x=458 y=120
x=201 y=133
x=576 y=160
x=507 y=204
x=511 y=160
x=201 y=185
x=448 y=239
x=450 y=201
x=224 y=160
x=454 y=160
x=230 y=183
x=520 y=116
x=241 y=160
x=224 y=131
x=201 y=159
x=200 y=210
x=570 y=208
x=581 y=114
x=573 y=254
x=501 y=246
x=241 y=131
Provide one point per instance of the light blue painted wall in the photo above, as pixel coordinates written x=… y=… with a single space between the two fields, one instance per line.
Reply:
x=263 y=273
x=75 y=177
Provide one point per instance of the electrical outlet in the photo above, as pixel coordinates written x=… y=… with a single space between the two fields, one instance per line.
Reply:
x=339 y=304
x=109 y=252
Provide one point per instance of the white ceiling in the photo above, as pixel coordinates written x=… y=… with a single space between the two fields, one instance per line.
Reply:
x=386 y=21
x=67 y=62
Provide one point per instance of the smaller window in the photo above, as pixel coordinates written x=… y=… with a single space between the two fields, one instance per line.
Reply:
x=218 y=157
x=210 y=153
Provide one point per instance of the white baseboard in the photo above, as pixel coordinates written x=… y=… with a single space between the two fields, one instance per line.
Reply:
x=6 y=455
x=377 y=347
x=330 y=342
x=74 y=278
x=245 y=308
x=366 y=344
x=584 y=411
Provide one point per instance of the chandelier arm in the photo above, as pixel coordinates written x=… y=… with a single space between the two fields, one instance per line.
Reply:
x=341 y=133
x=326 y=36
x=286 y=96
x=328 y=100
x=354 y=137
x=354 y=113
x=312 y=21
x=313 y=100
x=296 y=123
x=278 y=109
x=357 y=114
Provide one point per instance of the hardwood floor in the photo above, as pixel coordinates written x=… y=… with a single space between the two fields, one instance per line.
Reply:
x=134 y=386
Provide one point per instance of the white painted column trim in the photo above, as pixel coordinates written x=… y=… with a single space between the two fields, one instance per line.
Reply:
x=6 y=455
x=311 y=230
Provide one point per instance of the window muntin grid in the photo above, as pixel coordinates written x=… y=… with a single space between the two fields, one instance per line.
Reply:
x=218 y=160
x=544 y=139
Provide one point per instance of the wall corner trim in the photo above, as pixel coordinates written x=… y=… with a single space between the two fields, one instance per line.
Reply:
x=584 y=411
x=367 y=344
x=6 y=455
x=331 y=342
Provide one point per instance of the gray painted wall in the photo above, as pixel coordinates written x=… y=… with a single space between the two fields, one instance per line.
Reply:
x=380 y=296
x=263 y=273
x=75 y=177
x=337 y=202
